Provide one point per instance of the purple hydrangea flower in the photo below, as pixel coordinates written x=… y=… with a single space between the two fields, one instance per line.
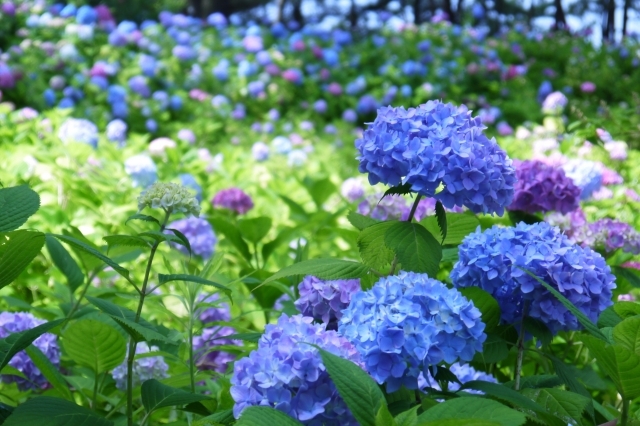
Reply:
x=79 y=130
x=144 y=369
x=554 y=103
x=204 y=349
x=214 y=311
x=187 y=135
x=142 y=169
x=543 y=188
x=48 y=343
x=325 y=300
x=388 y=208
x=587 y=175
x=199 y=233
x=438 y=144
x=234 y=199
x=492 y=260
x=287 y=373
x=138 y=84
x=260 y=151
x=408 y=322
x=352 y=189
x=611 y=235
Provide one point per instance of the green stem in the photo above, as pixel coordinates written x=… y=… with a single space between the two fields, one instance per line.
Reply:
x=394 y=264
x=191 y=360
x=518 y=371
x=82 y=293
x=94 y=400
x=624 y=419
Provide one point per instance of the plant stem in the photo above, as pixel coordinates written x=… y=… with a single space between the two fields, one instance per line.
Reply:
x=625 y=411
x=518 y=371
x=394 y=264
x=95 y=393
x=191 y=360
x=82 y=293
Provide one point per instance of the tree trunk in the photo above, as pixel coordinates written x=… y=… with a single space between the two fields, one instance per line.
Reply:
x=297 y=12
x=417 y=12
x=280 y=15
x=353 y=15
x=561 y=20
x=610 y=30
x=448 y=9
x=625 y=17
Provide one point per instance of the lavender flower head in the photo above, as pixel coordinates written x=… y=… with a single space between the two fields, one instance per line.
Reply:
x=234 y=199
x=388 y=208
x=144 y=369
x=260 y=151
x=543 y=188
x=47 y=343
x=79 y=130
x=286 y=373
x=204 y=349
x=492 y=260
x=554 y=103
x=438 y=144
x=187 y=135
x=408 y=322
x=587 y=175
x=610 y=235
x=218 y=312
x=199 y=233
x=142 y=170
x=325 y=300
x=352 y=189
x=117 y=131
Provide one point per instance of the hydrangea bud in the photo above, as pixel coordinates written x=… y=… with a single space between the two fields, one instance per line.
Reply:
x=171 y=197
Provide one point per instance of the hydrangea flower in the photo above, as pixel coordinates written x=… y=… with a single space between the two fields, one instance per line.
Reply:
x=144 y=369
x=79 y=130
x=207 y=358
x=287 y=373
x=187 y=135
x=117 y=131
x=142 y=169
x=465 y=373
x=352 y=189
x=492 y=260
x=260 y=151
x=437 y=145
x=171 y=197
x=611 y=235
x=325 y=300
x=48 y=343
x=587 y=175
x=234 y=199
x=408 y=322
x=199 y=233
x=554 y=103
x=219 y=312
x=388 y=208
x=543 y=188
x=187 y=180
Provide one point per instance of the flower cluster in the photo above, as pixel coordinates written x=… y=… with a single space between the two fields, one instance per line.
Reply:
x=408 y=322
x=153 y=367
x=287 y=373
x=171 y=197
x=495 y=260
x=200 y=234
x=587 y=175
x=234 y=199
x=465 y=373
x=612 y=235
x=142 y=169
x=437 y=145
x=397 y=207
x=214 y=311
x=47 y=343
x=79 y=130
x=543 y=188
x=554 y=103
x=325 y=300
x=205 y=352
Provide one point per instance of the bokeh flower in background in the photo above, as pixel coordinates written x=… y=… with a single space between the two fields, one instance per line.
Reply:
x=79 y=130
x=142 y=170
x=200 y=234
x=234 y=199
x=145 y=368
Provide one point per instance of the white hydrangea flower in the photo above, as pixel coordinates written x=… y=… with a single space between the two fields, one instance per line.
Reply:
x=171 y=197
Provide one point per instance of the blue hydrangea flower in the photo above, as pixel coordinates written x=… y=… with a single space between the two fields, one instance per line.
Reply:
x=48 y=343
x=117 y=131
x=587 y=175
x=200 y=235
x=78 y=130
x=492 y=260
x=260 y=151
x=142 y=170
x=215 y=310
x=408 y=322
x=153 y=367
x=286 y=373
x=325 y=300
x=465 y=373
x=437 y=145
x=187 y=180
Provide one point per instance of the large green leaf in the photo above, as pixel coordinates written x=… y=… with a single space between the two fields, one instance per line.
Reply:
x=566 y=405
x=627 y=334
x=192 y=279
x=494 y=349
x=254 y=229
x=126 y=240
x=232 y=233
x=371 y=244
x=224 y=417
x=49 y=371
x=358 y=390
x=384 y=417
x=626 y=309
x=538 y=329
x=628 y=274
x=265 y=416
x=619 y=363
x=360 y=221
x=94 y=344
x=416 y=248
x=473 y=408
x=142 y=217
x=15 y=342
x=45 y=410
x=285 y=236
x=17 y=250
x=460 y=422
x=63 y=261
x=485 y=303
x=320 y=190
x=326 y=269
x=296 y=211
x=459 y=225
x=157 y=395
x=17 y=204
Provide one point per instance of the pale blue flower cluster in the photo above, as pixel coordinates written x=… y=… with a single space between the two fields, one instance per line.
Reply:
x=494 y=260
x=409 y=322
x=587 y=175
x=142 y=170
x=152 y=367
x=79 y=130
x=437 y=145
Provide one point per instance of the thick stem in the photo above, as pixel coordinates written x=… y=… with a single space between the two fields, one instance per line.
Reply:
x=518 y=371
x=412 y=213
x=624 y=419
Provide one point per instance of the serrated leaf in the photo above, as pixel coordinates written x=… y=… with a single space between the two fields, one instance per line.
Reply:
x=441 y=216
x=63 y=261
x=94 y=344
x=620 y=364
x=566 y=405
x=19 y=203
x=160 y=237
x=538 y=329
x=45 y=410
x=265 y=416
x=408 y=417
x=360 y=221
x=255 y=229
x=627 y=334
x=371 y=244
x=472 y=408
x=326 y=269
x=416 y=248
x=443 y=374
x=15 y=342
x=231 y=233
x=494 y=349
x=459 y=225
x=142 y=217
x=486 y=304
x=163 y=279
x=49 y=371
x=125 y=240
x=89 y=262
x=157 y=395
x=358 y=390
x=403 y=189
x=183 y=239
x=18 y=249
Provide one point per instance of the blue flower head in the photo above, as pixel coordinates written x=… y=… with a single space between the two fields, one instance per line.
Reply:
x=324 y=300
x=442 y=152
x=200 y=234
x=79 y=130
x=144 y=369
x=493 y=260
x=408 y=322
x=587 y=175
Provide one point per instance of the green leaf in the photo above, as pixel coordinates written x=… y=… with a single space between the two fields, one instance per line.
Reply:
x=89 y=262
x=63 y=261
x=192 y=279
x=296 y=211
x=326 y=269
x=472 y=408
x=49 y=371
x=157 y=395
x=486 y=304
x=517 y=216
x=628 y=274
x=358 y=390
x=582 y=318
x=231 y=233
x=246 y=337
x=320 y=190
x=459 y=422
x=183 y=239
x=360 y=221
x=538 y=329
x=626 y=309
x=568 y=378
x=143 y=217
x=627 y=334
x=450 y=255
x=408 y=418
x=94 y=344
x=125 y=240
x=160 y=237
x=619 y=363
x=494 y=349
x=416 y=248
x=17 y=252
x=15 y=342
x=224 y=417
x=384 y=417
x=441 y=215
x=536 y=382
x=255 y=229
x=265 y=416
x=443 y=374
x=609 y=318
x=45 y=410
x=285 y=236
x=566 y=405
x=17 y=204
x=403 y=189
x=459 y=225
x=371 y=244
x=5 y=412
x=82 y=246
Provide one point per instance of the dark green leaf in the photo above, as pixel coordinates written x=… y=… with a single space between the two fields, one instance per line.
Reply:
x=255 y=229
x=63 y=261
x=265 y=416
x=517 y=216
x=403 y=189
x=441 y=215
x=536 y=382
x=443 y=374
x=17 y=204
x=326 y=269
x=143 y=217
x=384 y=417
x=247 y=337
x=15 y=342
x=408 y=417
x=416 y=248
x=568 y=378
x=18 y=249
x=626 y=309
x=371 y=244
x=494 y=349
x=538 y=329
x=628 y=274
x=49 y=371
x=486 y=304
x=472 y=408
x=5 y=412
x=627 y=334
x=224 y=417
x=94 y=344
x=192 y=279
x=157 y=395
x=450 y=255
x=183 y=239
x=566 y=405
x=608 y=318
x=620 y=364
x=45 y=410
x=231 y=233
x=360 y=221
x=284 y=237
x=459 y=422
x=125 y=240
